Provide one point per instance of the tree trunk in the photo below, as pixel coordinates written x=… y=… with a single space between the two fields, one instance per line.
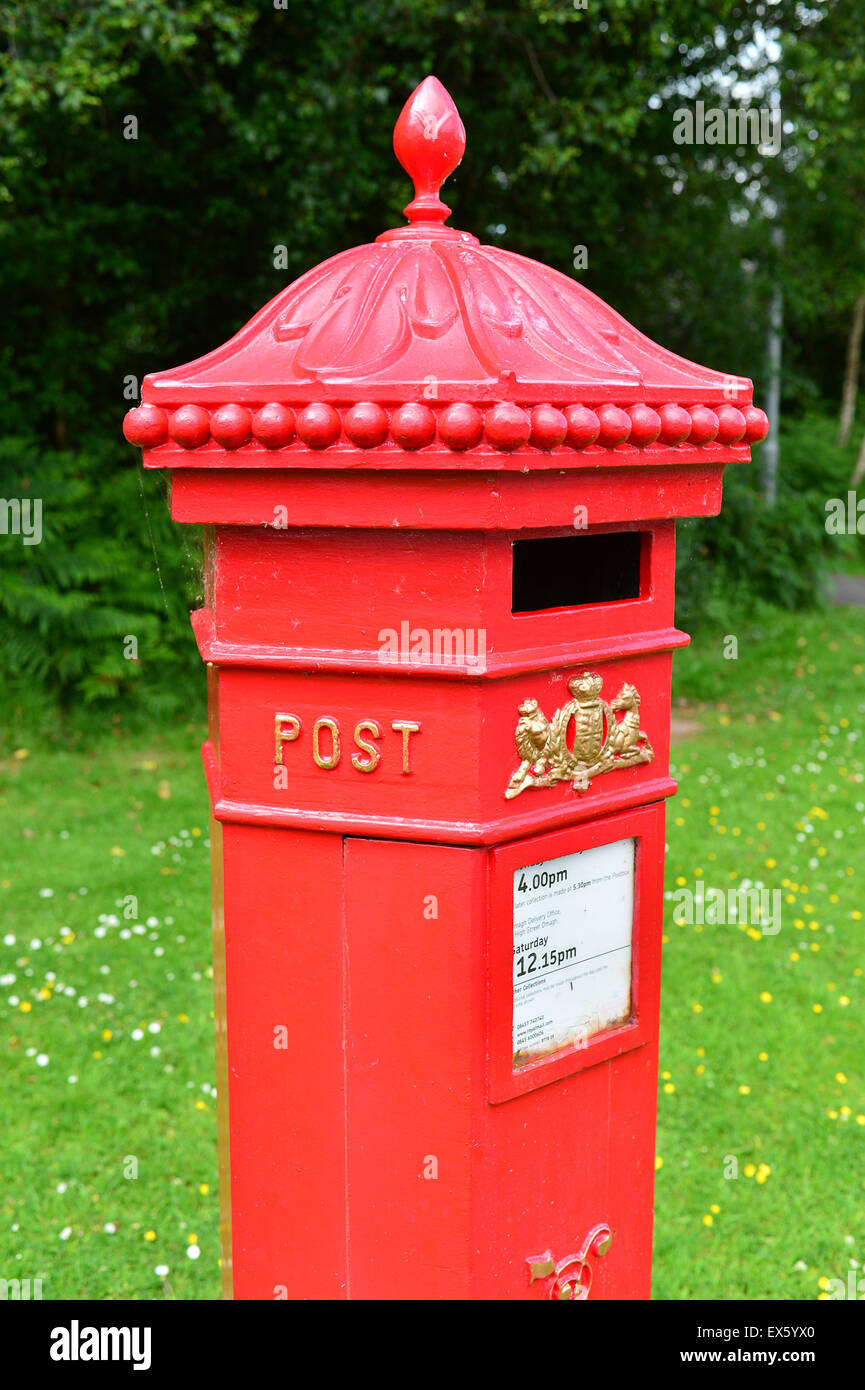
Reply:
x=859 y=470
x=774 y=339
x=851 y=370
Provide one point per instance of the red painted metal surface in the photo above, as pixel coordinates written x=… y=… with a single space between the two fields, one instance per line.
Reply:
x=368 y=454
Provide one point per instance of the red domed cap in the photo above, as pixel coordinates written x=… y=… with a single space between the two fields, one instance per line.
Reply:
x=427 y=342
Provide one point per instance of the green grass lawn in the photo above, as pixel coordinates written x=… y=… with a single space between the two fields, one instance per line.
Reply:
x=762 y=1056
x=108 y=1112
x=105 y=1001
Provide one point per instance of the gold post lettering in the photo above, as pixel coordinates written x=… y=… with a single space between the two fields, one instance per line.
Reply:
x=285 y=735
x=406 y=727
x=326 y=723
x=366 y=726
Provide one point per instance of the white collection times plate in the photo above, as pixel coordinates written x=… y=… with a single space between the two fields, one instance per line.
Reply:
x=573 y=923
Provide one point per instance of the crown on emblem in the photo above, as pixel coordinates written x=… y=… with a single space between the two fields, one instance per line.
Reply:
x=585 y=688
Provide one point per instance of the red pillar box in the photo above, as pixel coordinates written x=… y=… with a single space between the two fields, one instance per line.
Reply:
x=441 y=484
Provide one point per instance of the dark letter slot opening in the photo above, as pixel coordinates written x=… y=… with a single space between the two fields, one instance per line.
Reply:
x=570 y=571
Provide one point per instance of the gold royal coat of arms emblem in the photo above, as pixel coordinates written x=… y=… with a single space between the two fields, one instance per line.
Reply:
x=601 y=741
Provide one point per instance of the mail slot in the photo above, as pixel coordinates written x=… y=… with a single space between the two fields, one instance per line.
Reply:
x=439 y=485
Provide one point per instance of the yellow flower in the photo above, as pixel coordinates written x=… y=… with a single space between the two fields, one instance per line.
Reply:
x=204 y=1187
x=149 y=1235
x=669 y=1088
x=770 y=864
x=107 y=1035
x=97 y=1055
x=701 y=1051
x=832 y=1114
x=698 y=1008
x=764 y=1056
x=708 y=1220
x=841 y=1078
x=744 y=1090
x=44 y=993
x=191 y=1239
x=817 y=1008
x=659 y=1162
x=25 y=1006
x=200 y=1105
x=701 y=1067
x=765 y=997
x=665 y=1075
x=67 y=937
x=183 y=1018
x=822 y=1282
x=21 y=754
x=794 y=955
x=715 y=1208
x=845 y=1112
x=117 y=852
x=843 y=1000
x=749 y=1170
x=860 y=1119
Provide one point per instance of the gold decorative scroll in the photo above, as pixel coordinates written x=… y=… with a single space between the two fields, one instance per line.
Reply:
x=572 y=1276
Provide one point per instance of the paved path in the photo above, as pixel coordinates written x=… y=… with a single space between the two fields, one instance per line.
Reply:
x=843 y=588
x=683 y=728
x=847 y=588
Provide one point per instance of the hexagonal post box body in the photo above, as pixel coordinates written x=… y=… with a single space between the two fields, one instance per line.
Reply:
x=440 y=484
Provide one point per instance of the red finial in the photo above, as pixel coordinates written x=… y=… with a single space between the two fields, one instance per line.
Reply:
x=429 y=141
